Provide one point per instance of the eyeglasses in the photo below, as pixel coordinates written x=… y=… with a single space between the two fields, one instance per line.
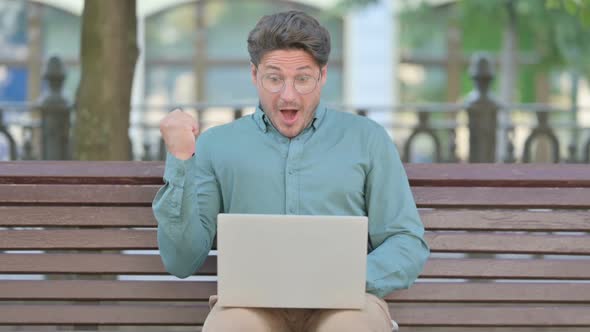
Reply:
x=303 y=84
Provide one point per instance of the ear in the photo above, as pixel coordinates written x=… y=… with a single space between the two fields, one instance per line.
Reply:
x=253 y=73
x=324 y=73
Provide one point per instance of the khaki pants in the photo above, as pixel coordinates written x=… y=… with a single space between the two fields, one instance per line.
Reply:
x=373 y=318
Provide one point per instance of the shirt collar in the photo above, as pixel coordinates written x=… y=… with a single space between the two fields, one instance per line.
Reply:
x=320 y=114
x=263 y=122
x=260 y=119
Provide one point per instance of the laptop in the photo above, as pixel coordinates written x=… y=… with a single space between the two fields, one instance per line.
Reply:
x=291 y=261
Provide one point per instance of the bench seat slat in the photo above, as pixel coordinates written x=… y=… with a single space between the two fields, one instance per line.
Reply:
x=472 y=242
x=571 y=316
x=573 y=269
x=109 y=290
x=80 y=314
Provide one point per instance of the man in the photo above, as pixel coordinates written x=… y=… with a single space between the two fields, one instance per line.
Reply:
x=292 y=156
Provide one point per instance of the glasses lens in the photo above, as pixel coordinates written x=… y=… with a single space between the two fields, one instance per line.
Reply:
x=272 y=83
x=303 y=84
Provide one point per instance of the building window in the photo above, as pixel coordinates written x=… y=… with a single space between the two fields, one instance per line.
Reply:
x=208 y=39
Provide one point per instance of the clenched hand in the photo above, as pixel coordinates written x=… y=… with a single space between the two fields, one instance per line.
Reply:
x=179 y=131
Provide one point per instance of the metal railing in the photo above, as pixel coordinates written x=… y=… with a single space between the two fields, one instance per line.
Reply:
x=461 y=132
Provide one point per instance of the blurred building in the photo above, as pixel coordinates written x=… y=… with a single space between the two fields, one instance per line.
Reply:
x=195 y=51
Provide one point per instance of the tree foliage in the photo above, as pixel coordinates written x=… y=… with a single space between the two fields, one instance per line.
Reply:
x=557 y=31
x=577 y=8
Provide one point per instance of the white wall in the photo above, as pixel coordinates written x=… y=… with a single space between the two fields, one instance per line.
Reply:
x=371 y=57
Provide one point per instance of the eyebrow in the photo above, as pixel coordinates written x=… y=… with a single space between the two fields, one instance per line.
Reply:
x=279 y=69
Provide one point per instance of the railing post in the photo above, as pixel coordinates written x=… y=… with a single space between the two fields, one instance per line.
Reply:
x=55 y=114
x=587 y=151
x=425 y=129
x=238 y=113
x=8 y=137
x=572 y=149
x=542 y=129
x=452 y=147
x=482 y=112
x=28 y=144
x=509 y=158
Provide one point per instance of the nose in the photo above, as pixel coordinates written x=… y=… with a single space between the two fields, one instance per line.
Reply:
x=288 y=93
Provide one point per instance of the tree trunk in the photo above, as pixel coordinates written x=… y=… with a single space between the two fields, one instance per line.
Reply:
x=108 y=56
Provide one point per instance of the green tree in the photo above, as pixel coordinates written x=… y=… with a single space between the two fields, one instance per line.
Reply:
x=576 y=8
x=543 y=28
x=108 y=55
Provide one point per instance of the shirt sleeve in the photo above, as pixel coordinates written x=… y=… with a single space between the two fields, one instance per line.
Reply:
x=186 y=209
x=395 y=228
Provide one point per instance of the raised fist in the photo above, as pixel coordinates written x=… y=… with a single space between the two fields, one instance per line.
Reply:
x=179 y=131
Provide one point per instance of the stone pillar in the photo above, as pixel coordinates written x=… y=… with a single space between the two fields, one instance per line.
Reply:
x=482 y=110
x=55 y=114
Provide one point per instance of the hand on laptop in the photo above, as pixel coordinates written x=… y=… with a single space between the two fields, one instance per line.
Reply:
x=179 y=131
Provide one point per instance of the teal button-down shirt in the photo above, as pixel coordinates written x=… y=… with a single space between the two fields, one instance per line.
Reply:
x=342 y=164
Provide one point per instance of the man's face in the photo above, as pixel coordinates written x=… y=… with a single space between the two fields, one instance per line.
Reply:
x=289 y=110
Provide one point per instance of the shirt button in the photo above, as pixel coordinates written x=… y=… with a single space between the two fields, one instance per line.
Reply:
x=291 y=171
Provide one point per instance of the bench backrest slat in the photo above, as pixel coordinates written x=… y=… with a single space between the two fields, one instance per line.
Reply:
x=128 y=239
x=506 y=220
x=76 y=216
x=498 y=175
x=434 y=219
x=502 y=197
x=69 y=194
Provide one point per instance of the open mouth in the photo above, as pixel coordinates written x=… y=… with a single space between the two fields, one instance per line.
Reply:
x=289 y=115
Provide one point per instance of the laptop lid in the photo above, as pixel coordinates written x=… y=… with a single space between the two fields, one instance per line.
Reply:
x=289 y=261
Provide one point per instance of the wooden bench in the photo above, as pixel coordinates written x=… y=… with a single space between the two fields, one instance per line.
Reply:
x=510 y=243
